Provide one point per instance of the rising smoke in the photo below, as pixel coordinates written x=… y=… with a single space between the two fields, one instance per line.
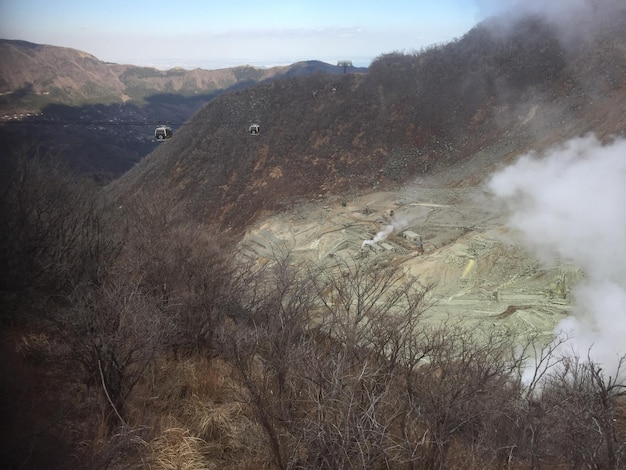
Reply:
x=397 y=224
x=571 y=203
x=380 y=236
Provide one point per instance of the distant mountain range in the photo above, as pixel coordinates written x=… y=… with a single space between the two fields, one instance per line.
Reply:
x=35 y=75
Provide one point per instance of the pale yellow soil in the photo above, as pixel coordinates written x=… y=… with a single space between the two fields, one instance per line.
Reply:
x=481 y=274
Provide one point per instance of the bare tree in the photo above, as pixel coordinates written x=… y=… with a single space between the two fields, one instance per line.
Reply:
x=112 y=332
x=537 y=363
x=367 y=305
x=581 y=403
x=318 y=352
x=462 y=388
x=54 y=232
x=269 y=344
x=186 y=266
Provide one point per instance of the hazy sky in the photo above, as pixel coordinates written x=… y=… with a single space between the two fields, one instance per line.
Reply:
x=211 y=34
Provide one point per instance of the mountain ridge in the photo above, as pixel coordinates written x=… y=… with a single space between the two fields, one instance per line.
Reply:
x=486 y=95
x=35 y=75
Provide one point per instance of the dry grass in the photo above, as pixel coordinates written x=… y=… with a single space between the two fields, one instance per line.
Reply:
x=177 y=449
x=168 y=386
x=187 y=406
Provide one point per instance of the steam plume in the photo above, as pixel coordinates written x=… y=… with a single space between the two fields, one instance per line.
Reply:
x=571 y=203
x=574 y=20
x=380 y=236
x=396 y=224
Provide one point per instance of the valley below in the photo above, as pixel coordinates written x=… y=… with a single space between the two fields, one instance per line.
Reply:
x=453 y=239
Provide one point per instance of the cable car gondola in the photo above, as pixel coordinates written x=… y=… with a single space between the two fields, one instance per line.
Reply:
x=163 y=132
x=254 y=129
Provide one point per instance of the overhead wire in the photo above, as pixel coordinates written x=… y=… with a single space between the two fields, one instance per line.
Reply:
x=99 y=123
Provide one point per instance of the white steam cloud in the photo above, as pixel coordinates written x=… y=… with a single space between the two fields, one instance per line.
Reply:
x=572 y=203
x=380 y=236
x=396 y=225
x=574 y=20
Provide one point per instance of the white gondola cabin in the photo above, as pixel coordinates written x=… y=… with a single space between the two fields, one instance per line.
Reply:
x=254 y=129
x=163 y=132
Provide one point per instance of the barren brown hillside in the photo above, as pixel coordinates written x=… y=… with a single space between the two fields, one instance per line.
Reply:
x=485 y=97
x=36 y=75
